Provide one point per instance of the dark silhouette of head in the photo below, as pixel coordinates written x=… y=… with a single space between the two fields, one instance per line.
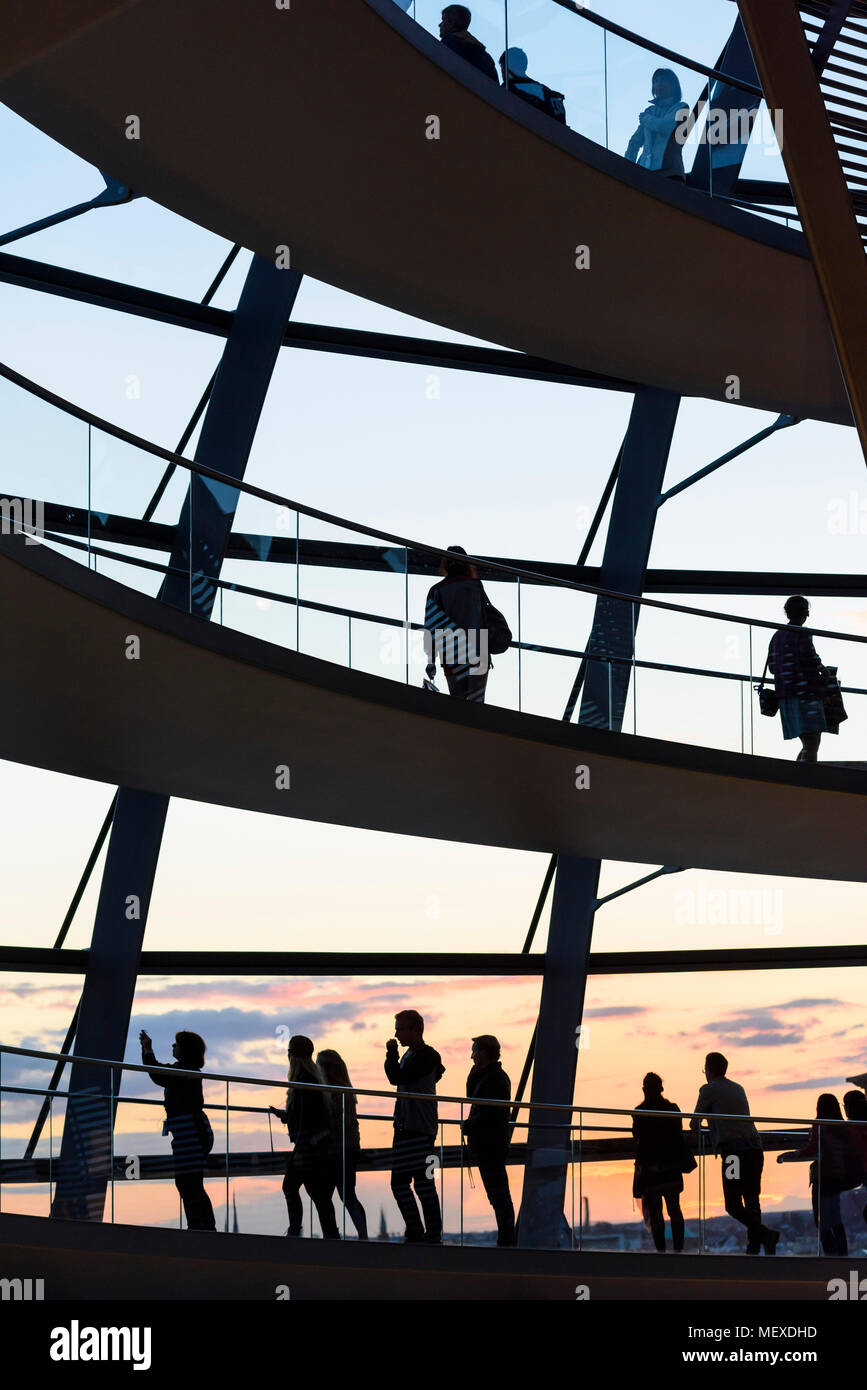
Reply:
x=190 y=1050
x=456 y=19
x=666 y=86
x=855 y=1105
x=333 y=1068
x=485 y=1050
x=455 y=564
x=652 y=1085
x=828 y=1107
x=299 y=1046
x=715 y=1064
x=517 y=59
x=797 y=609
x=409 y=1027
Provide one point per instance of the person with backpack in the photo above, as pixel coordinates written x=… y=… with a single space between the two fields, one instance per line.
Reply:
x=462 y=628
x=455 y=35
x=836 y=1169
x=187 y=1123
x=528 y=89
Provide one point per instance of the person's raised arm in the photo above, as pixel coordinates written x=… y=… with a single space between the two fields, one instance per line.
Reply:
x=392 y=1062
x=147 y=1056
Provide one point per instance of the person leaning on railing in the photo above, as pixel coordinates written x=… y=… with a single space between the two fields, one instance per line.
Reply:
x=836 y=1169
x=739 y=1145
x=187 y=1123
x=661 y=1160
x=658 y=141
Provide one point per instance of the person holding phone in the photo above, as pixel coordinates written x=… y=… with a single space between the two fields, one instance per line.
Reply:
x=186 y=1122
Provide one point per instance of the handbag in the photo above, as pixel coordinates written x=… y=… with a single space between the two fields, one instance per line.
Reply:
x=499 y=632
x=769 y=700
x=832 y=699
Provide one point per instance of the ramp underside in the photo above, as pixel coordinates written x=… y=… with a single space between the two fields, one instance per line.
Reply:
x=307 y=129
x=212 y=715
x=79 y=1260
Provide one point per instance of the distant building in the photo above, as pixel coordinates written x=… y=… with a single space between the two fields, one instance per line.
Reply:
x=383 y=1229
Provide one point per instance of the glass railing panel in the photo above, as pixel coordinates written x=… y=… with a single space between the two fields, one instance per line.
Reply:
x=559 y=65
x=648 y=100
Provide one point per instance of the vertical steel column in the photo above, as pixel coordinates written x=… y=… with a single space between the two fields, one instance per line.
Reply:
x=627 y=548
x=226 y=438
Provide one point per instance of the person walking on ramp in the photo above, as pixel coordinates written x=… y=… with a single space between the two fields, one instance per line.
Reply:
x=415 y=1127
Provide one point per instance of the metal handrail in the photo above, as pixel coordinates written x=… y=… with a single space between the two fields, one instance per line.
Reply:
x=618 y=29
x=173 y=1071
x=316 y=513
x=382 y=620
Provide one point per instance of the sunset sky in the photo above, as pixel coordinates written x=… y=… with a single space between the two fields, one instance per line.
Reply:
x=518 y=468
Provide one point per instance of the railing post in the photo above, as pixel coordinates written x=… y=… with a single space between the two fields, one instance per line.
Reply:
x=227 y=1156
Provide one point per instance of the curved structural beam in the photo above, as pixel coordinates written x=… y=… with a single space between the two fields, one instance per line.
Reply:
x=211 y=715
x=332 y=161
x=779 y=44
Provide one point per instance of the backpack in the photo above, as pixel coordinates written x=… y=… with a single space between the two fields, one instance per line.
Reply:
x=551 y=102
x=499 y=632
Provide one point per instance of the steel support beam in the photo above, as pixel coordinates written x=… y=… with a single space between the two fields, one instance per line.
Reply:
x=791 y=85
x=42 y=960
x=833 y=27
x=644 y=456
x=717 y=165
x=225 y=441
x=106 y=1002
x=627 y=549
x=352 y=342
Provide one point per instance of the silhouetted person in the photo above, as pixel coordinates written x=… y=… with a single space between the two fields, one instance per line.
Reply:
x=415 y=1127
x=455 y=35
x=187 y=1123
x=310 y=1164
x=535 y=93
x=855 y=1106
x=656 y=143
x=739 y=1146
x=487 y=1131
x=659 y=1163
x=346 y=1136
x=835 y=1169
x=462 y=628
x=800 y=680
